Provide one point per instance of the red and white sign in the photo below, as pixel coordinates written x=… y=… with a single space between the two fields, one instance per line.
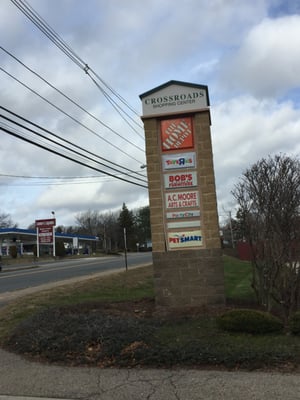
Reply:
x=183 y=239
x=45 y=222
x=45 y=230
x=182 y=199
x=177 y=134
x=180 y=180
x=45 y=235
x=179 y=160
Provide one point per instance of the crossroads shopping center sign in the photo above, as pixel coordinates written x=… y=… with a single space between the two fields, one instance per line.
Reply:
x=173 y=96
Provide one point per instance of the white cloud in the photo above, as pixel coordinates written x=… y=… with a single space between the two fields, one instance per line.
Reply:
x=268 y=61
x=244 y=130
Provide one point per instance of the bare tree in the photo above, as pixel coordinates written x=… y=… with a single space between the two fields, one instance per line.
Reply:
x=6 y=221
x=268 y=196
x=88 y=222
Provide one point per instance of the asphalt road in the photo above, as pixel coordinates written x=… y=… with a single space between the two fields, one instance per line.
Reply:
x=22 y=278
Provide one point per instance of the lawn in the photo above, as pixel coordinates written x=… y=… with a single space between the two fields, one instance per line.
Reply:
x=111 y=321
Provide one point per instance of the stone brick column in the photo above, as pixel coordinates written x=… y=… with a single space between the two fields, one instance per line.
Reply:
x=187 y=258
x=189 y=277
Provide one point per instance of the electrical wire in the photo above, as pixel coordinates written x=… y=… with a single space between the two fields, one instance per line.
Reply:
x=69 y=116
x=56 y=181
x=17 y=134
x=46 y=29
x=72 y=101
x=66 y=141
x=116 y=107
x=65 y=146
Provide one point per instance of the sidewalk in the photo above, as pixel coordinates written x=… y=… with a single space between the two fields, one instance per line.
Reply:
x=19 y=377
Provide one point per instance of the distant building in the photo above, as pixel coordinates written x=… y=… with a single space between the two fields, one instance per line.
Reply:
x=26 y=240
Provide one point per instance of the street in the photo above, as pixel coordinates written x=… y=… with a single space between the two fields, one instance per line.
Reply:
x=19 y=278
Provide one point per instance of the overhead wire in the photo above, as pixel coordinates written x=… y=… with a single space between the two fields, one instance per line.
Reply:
x=69 y=98
x=13 y=132
x=55 y=180
x=63 y=46
x=45 y=28
x=70 y=116
x=116 y=106
x=68 y=144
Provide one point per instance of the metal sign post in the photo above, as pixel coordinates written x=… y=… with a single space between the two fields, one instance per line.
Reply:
x=125 y=245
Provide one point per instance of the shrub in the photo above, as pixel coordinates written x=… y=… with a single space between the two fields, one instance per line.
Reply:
x=294 y=323
x=249 y=321
x=60 y=250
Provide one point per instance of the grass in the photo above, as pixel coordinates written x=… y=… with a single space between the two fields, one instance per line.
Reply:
x=238 y=280
x=135 y=284
x=132 y=341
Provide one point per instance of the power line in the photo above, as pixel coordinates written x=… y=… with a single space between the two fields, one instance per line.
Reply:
x=15 y=133
x=71 y=100
x=64 y=145
x=116 y=107
x=69 y=116
x=52 y=177
x=56 y=181
x=66 y=141
x=46 y=29
x=42 y=25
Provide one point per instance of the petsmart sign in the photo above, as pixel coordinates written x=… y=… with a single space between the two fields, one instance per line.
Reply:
x=177 y=240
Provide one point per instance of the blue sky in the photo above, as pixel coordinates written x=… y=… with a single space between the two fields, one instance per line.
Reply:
x=246 y=52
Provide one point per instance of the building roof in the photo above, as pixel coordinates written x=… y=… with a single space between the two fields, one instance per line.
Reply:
x=177 y=83
x=32 y=232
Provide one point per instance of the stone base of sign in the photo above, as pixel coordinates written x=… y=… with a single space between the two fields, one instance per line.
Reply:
x=189 y=278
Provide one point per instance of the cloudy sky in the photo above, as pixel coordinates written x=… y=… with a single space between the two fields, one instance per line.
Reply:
x=246 y=52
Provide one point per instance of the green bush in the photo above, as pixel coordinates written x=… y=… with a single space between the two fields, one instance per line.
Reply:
x=249 y=321
x=294 y=323
x=60 y=250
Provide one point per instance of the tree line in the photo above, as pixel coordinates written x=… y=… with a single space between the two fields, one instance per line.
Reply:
x=108 y=227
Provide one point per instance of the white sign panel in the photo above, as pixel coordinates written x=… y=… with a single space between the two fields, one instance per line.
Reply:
x=183 y=224
x=179 y=161
x=182 y=199
x=174 y=97
x=180 y=180
x=183 y=214
x=182 y=239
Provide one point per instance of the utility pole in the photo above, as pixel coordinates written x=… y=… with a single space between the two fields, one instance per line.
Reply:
x=231 y=231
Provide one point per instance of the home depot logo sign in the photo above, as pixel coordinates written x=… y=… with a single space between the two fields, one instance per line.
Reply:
x=177 y=134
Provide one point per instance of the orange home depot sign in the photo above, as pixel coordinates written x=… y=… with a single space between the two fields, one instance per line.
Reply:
x=177 y=134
